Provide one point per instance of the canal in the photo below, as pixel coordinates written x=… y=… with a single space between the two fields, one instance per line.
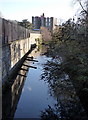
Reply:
x=31 y=96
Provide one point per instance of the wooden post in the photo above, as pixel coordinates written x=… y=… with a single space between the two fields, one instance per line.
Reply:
x=22 y=75
x=30 y=66
x=30 y=57
x=32 y=60
x=23 y=69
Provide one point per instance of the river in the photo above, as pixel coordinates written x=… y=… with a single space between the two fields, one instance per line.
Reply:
x=33 y=97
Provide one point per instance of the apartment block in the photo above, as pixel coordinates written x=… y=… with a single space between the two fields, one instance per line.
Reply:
x=42 y=21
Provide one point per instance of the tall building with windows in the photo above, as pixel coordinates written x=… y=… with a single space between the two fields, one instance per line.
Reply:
x=42 y=21
x=36 y=22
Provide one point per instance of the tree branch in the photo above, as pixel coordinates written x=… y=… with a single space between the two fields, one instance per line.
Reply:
x=83 y=7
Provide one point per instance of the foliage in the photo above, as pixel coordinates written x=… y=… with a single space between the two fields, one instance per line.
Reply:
x=49 y=114
x=69 y=52
x=25 y=23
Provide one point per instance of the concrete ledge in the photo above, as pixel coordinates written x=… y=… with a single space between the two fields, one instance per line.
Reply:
x=16 y=68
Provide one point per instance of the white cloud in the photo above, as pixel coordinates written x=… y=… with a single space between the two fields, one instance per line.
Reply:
x=29 y=88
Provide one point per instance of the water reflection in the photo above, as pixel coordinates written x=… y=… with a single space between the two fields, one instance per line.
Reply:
x=35 y=96
x=68 y=105
x=46 y=93
x=11 y=94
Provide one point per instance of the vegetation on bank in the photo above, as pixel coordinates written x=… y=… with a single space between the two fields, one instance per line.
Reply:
x=69 y=52
x=70 y=41
x=73 y=48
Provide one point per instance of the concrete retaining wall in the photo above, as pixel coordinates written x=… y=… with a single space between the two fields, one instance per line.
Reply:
x=34 y=37
x=0 y=69
x=12 y=53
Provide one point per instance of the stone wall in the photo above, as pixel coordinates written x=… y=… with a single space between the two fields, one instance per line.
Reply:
x=16 y=42
x=34 y=37
x=12 y=53
x=0 y=69
x=0 y=51
x=11 y=31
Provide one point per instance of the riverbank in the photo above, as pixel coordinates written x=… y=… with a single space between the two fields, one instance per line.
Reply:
x=44 y=93
x=74 y=62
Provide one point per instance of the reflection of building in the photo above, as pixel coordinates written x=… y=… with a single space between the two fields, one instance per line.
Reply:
x=11 y=96
x=42 y=21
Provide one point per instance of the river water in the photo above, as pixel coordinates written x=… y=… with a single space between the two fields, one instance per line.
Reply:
x=33 y=97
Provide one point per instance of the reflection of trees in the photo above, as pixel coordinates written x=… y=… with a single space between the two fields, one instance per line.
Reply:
x=68 y=106
x=50 y=114
x=70 y=41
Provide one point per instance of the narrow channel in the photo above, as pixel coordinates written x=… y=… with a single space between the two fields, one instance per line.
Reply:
x=32 y=97
x=35 y=95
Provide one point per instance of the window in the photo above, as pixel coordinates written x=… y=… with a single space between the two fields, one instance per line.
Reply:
x=49 y=20
x=49 y=24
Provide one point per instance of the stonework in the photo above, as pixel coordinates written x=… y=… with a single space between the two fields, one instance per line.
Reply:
x=16 y=42
x=0 y=68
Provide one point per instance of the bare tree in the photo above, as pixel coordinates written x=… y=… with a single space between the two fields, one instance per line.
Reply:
x=84 y=5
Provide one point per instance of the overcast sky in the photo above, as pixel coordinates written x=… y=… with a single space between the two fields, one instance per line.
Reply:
x=25 y=9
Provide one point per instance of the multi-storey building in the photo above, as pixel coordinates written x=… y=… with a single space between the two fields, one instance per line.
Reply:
x=36 y=22
x=42 y=21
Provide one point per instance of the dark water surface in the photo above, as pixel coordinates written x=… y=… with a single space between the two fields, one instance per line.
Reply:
x=33 y=97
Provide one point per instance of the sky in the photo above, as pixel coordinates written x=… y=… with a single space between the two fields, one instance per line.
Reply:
x=25 y=9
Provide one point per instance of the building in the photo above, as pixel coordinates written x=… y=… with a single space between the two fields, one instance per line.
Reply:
x=36 y=22
x=42 y=21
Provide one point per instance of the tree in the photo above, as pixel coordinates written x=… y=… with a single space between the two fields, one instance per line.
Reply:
x=82 y=6
x=25 y=23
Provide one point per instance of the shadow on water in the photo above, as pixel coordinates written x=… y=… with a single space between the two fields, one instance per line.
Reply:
x=11 y=95
x=68 y=105
x=46 y=93
x=12 y=90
